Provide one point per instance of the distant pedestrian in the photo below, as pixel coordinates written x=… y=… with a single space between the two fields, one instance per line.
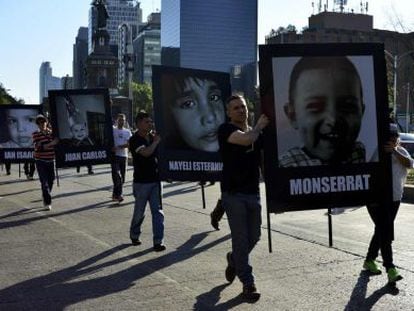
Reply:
x=44 y=155
x=29 y=169
x=240 y=151
x=146 y=186
x=119 y=162
x=384 y=226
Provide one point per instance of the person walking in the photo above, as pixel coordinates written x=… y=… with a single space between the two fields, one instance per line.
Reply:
x=121 y=137
x=146 y=186
x=240 y=151
x=401 y=162
x=44 y=155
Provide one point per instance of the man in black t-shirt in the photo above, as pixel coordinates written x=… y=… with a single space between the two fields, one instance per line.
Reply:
x=240 y=151
x=146 y=186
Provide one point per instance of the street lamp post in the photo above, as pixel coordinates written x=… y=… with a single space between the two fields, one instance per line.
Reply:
x=396 y=58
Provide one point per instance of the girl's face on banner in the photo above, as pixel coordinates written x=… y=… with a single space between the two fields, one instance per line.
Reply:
x=198 y=112
x=21 y=124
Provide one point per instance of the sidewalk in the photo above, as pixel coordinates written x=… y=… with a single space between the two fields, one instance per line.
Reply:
x=79 y=257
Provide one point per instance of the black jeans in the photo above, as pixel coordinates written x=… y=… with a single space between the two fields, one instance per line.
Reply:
x=29 y=168
x=118 y=174
x=383 y=233
x=46 y=172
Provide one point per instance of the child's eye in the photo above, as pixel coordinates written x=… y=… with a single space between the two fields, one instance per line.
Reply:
x=185 y=103
x=315 y=107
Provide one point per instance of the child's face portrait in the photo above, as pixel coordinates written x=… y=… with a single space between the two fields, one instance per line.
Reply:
x=21 y=124
x=327 y=110
x=198 y=111
x=79 y=131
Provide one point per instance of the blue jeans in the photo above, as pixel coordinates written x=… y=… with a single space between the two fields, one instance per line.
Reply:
x=118 y=167
x=245 y=218
x=143 y=193
x=46 y=172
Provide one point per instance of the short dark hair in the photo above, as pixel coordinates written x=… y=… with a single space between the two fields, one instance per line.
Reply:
x=310 y=62
x=141 y=116
x=40 y=118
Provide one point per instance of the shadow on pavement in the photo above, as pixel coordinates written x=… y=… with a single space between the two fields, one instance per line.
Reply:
x=358 y=301
x=22 y=222
x=209 y=300
x=188 y=189
x=61 y=289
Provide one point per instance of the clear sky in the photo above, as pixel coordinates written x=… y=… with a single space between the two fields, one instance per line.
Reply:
x=33 y=31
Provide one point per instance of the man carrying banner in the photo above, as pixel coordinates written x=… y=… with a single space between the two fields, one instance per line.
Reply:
x=240 y=151
x=146 y=186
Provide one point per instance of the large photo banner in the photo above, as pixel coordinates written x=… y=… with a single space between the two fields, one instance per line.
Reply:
x=329 y=118
x=81 y=119
x=17 y=123
x=189 y=106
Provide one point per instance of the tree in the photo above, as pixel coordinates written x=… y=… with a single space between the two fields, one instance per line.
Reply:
x=6 y=98
x=142 y=97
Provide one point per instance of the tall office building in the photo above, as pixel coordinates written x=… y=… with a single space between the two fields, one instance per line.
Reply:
x=120 y=12
x=147 y=48
x=219 y=35
x=47 y=81
x=80 y=54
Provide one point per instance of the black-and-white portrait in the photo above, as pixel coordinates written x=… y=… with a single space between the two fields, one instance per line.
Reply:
x=17 y=123
x=81 y=120
x=329 y=118
x=325 y=111
x=189 y=107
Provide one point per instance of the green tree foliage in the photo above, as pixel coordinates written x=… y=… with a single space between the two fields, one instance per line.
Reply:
x=142 y=96
x=6 y=98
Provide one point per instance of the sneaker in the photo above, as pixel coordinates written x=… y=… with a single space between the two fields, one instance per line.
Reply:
x=30 y=177
x=91 y=172
x=393 y=275
x=48 y=207
x=159 y=247
x=27 y=176
x=120 y=199
x=371 y=266
x=230 y=272
x=250 y=292
x=135 y=242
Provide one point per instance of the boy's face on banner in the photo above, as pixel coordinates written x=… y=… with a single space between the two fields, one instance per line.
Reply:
x=327 y=111
x=21 y=124
x=198 y=112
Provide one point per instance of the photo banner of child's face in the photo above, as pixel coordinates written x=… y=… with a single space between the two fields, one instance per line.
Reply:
x=17 y=124
x=81 y=120
x=189 y=107
x=329 y=118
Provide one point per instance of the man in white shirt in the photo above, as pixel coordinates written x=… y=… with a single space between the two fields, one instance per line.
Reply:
x=121 y=138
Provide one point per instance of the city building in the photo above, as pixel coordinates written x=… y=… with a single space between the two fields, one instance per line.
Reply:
x=126 y=34
x=80 y=54
x=218 y=35
x=341 y=26
x=147 y=48
x=47 y=81
x=120 y=12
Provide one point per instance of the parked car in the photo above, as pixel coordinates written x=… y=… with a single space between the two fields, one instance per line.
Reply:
x=407 y=141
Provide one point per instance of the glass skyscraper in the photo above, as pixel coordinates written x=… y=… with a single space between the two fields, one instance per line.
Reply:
x=218 y=35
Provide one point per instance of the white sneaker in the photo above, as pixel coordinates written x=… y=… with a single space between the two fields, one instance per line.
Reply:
x=48 y=207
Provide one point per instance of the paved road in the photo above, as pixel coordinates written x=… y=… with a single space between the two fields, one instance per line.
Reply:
x=78 y=256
